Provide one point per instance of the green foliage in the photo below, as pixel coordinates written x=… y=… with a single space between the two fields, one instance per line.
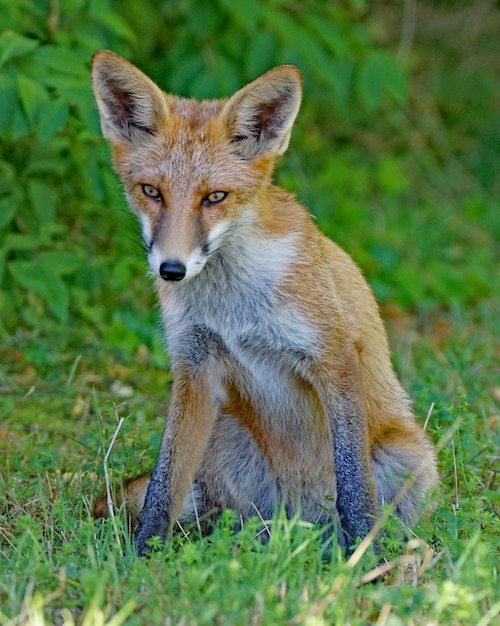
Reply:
x=83 y=568
x=51 y=186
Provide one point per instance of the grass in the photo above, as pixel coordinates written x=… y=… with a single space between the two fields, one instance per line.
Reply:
x=63 y=390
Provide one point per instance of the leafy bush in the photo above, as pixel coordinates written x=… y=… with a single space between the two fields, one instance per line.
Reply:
x=399 y=164
x=51 y=182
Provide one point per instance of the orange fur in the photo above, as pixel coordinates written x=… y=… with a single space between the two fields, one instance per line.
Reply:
x=284 y=390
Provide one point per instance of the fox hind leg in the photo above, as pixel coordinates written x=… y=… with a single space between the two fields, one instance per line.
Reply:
x=234 y=473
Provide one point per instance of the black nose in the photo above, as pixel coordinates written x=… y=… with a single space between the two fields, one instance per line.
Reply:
x=172 y=270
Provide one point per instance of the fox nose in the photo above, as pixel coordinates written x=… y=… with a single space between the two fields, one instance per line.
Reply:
x=172 y=270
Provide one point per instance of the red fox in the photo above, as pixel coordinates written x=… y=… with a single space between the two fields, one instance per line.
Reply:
x=283 y=393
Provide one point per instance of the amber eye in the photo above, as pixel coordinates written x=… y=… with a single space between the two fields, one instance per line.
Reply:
x=151 y=192
x=215 y=197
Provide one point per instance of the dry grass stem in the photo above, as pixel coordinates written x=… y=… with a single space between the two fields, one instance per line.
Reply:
x=109 y=497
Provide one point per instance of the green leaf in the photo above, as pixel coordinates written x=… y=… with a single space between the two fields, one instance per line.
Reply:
x=7 y=177
x=43 y=197
x=8 y=89
x=8 y=207
x=328 y=33
x=396 y=83
x=115 y=22
x=2 y=265
x=381 y=75
x=204 y=19
x=60 y=262
x=261 y=53
x=370 y=82
x=61 y=60
x=13 y=44
x=52 y=117
x=19 y=127
x=45 y=283
x=18 y=241
x=246 y=14
x=32 y=95
x=311 y=51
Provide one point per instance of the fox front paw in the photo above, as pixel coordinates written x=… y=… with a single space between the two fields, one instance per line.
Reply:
x=150 y=537
x=147 y=544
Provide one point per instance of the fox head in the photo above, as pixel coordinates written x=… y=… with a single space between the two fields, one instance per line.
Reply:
x=193 y=172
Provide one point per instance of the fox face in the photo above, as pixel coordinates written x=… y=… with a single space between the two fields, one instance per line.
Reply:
x=193 y=172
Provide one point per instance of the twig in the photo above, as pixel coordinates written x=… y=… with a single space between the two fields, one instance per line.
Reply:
x=455 y=475
x=402 y=561
x=266 y=525
x=72 y=371
x=53 y=21
x=181 y=528
x=383 y=616
x=489 y=615
x=407 y=30
x=109 y=498
x=428 y=417
x=472 y=458
x=195 y=507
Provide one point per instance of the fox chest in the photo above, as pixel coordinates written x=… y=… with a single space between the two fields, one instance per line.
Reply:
x=258 y=355
x=269 y=390
x=261 y=348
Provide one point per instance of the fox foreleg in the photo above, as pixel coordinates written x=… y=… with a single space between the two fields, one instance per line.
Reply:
x=189 y=423
x=356 y=499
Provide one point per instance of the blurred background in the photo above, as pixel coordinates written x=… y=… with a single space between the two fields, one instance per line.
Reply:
x=396 y=151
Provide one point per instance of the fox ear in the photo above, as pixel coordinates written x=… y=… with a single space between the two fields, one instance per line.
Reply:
x=261 y=115
x=130 y=104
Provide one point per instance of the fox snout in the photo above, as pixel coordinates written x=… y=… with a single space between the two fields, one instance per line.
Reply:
x=175 y=268
x=179 y=254
x=175 y=251
x=175 y=265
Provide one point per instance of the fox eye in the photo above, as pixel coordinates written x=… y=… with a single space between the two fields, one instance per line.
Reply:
x=151 y=192
x=215 y=197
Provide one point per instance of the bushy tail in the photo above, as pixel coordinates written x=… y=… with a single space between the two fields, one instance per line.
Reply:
x=132 y=495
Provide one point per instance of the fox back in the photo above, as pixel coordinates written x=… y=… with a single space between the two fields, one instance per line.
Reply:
x=283 y=393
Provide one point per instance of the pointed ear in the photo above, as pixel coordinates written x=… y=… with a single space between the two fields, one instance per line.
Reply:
x=261 y=115
x=130 y=104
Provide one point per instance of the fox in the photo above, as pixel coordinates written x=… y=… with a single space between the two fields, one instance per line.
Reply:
x=283 y=393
